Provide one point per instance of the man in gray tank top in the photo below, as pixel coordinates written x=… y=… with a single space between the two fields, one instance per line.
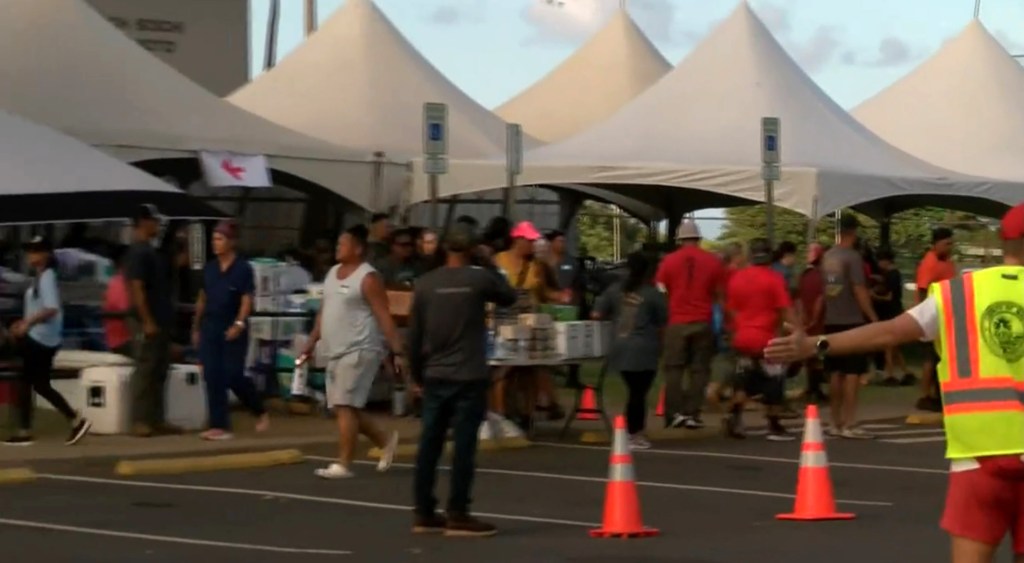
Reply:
x=354 y=324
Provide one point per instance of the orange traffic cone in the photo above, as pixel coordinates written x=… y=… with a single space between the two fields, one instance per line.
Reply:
x=660 y=411
x=588 y=406
x=621 y=503
x=814 y=497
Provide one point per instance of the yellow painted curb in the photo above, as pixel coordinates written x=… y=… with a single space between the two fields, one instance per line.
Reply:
x=504 y=444
x=595 y=438
x=925 y=418
x=175 y=466
x=17 y=476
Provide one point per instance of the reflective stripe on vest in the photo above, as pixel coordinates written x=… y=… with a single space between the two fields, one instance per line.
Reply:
x=981 y=371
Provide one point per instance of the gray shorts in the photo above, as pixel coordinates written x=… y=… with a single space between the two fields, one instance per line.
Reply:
x=350 y=378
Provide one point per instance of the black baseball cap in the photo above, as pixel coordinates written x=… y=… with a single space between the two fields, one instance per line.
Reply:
x=38 y=243
x=460 y=238
x=147 y=212
x=760 y=252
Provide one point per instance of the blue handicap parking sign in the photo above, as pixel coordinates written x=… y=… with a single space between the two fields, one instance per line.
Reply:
x=435 y=132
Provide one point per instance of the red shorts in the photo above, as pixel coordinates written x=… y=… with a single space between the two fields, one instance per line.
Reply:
x=984 y=504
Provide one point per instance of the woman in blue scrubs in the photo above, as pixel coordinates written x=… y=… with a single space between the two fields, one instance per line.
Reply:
x=220 y=333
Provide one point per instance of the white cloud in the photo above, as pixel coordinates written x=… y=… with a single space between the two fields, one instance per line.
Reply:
x=891 y=52
x=572 y=21
x=812 y=54
x=456 y=12
x=1009 y=43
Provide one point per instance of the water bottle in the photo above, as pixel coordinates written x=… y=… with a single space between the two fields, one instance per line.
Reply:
x=300 y=378
x=398 y=400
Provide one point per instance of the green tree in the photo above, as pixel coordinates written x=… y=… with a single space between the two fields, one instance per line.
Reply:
x=909 y=232
x=596 y=223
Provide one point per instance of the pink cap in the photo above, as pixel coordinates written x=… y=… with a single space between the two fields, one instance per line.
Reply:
x=525 y=230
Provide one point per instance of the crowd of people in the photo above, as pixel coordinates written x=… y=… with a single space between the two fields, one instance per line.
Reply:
x=705 y=319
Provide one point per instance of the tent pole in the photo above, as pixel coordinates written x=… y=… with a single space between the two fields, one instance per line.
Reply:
x=311 y=17
x=977 y=9
x=273 y=23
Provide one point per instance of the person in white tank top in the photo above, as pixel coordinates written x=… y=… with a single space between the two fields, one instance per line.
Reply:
x=354 y=323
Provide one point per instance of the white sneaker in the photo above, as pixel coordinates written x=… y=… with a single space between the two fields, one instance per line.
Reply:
x=856 y=434
x=486 y=431
x=387 y=455
x=334 y=471
x=639 y=442
x=509 y=429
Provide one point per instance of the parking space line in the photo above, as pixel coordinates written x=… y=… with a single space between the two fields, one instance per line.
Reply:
x=791 y=461
x=308 y=498
x=639 y=483
x=915 y=440
x=167 y=539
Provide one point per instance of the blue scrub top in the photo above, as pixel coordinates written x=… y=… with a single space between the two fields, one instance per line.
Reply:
x=224 y=291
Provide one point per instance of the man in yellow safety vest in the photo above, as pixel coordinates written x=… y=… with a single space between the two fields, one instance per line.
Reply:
x=976 y=321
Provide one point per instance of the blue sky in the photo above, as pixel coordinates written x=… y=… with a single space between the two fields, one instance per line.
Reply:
x=493 y=49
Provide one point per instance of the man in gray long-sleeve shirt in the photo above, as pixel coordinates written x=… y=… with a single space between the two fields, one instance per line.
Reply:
x=448 y=359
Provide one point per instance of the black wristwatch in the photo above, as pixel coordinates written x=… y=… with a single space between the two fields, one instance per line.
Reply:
x=821 y=347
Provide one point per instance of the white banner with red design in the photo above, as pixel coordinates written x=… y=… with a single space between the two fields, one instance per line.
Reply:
x=225 y=169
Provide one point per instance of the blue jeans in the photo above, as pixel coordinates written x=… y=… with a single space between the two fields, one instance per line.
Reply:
x=461 y=405
x=224 y=370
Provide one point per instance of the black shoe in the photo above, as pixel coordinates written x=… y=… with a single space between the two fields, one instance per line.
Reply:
x=929 y=404
x=464 y=525
x=19 y=441
x=78 y=432
x=433 y=524
x=675 y=421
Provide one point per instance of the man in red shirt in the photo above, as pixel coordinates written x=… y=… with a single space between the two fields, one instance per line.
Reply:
x=936 y=266
x=811 y=290
x=692 y=278
x=758 y=300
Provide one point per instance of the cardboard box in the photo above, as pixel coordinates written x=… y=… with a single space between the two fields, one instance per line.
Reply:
x=602 y=338
x=400 y=303
x=514 y=332
x=267 y=276
x=568 y=339
x=261 y=328
x=268 y=304
x=535 y=320
x=286 y=328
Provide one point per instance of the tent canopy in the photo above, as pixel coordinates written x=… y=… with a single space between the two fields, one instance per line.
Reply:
x=607 y=72
x=357 y=81
x=64 y=65
x=50 y=177
x=699 y=129
x=962 y=109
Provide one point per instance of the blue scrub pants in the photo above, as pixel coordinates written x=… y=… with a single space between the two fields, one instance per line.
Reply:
x=224 y=370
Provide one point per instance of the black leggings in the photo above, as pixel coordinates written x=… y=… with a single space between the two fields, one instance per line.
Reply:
x=35 y=375
x=638 y=383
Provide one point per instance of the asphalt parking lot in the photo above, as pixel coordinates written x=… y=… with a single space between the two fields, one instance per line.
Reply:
x=714 y=502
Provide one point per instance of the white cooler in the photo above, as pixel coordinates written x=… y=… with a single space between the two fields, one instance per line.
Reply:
x=107 y=398
x=186 y=398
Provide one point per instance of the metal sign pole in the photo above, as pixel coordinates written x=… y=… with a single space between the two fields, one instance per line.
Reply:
x=513 y=166
x=771 y=148
x=435 y=153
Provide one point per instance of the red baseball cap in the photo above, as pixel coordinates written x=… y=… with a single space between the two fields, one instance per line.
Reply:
x=1012 y=225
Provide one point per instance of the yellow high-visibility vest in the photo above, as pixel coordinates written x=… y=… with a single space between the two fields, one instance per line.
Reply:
x=981 y=371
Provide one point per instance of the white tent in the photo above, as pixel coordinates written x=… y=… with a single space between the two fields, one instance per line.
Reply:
x=607 y=72
x=63 y=65
x=358 y=82
x=962 y=109
x=699 y=128
x=49 y=177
